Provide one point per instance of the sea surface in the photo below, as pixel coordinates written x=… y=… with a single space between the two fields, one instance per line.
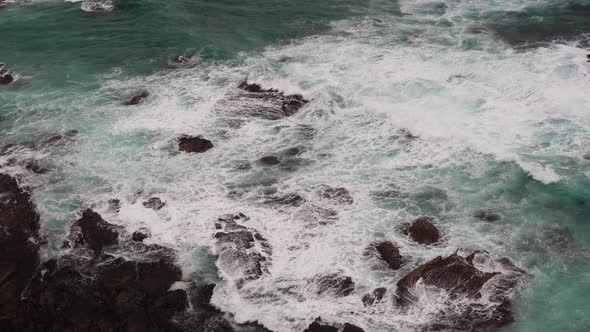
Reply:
x=417 y=107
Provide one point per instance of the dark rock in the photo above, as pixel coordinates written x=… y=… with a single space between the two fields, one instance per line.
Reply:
x=318 y=327
x=141 y=234
x=2 y=118
x=489 y=216
x=287 y=199
x=313 y=215
x=351 y=328
x=154 y=203
x=19 y=227
x=463 y=281
x=292 y=151
x=34 y=167
x=6 y=79
x=137 y=99
x=422 y=230
x=193 y=144
x=270 y=160
x=243 y=253
x=334 y=284
x=114 y=204
x=376 y=296
x=336 y=195
x=388 y=252
x=93 y=232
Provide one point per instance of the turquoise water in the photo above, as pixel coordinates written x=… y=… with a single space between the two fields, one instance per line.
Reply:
x=496 y=91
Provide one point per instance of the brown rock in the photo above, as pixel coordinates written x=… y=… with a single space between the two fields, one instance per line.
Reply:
x=376 y=296
x=137 y=99
x=422 y=230
x=194 y=144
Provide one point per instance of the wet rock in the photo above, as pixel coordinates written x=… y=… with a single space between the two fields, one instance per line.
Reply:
x=374 y=297
x=388 y=252
x=6 y=79
x=93 y=232
x=319 y=326
x=334 y=284
x=194 y=144
x=126 y=289
x=57 y=139
x=313 y=216
x=114 y=204
x=141 y=234
x=336 y=195
x=487 y=215
x=19 y=227
x=484 y=295
x=34 y=167
x=291 y=199
x=137 y=99
x=154 y=203
x=270 y=160
x=243 y=253
x=294 y=151
x=351 y=328
x=2 y=118
x=268 y=104
x=422 y=230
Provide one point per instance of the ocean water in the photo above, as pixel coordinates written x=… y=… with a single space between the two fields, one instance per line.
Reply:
x=496 y=92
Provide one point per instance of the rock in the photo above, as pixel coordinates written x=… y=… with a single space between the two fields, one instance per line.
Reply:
x=312 y=216
x=336 y=195
x=268 y=104
x=294 y=151
x=351 y=328
x=270 y=160
x=318 y=326
x=19 y=237
x=137 y=99
x=291 y=199
x=6 y=79
x=422 y=231
x=154 y=203
x=243 y=253
x=461 y=279
x=193 y=144
x=376 y=296
x=34 y=167
x=114 y=204
x=334 y=284
x=2 y=118
x=388 y=252
x=487 y=215
x=141 y=234
x=126 y=291
x=93 y=232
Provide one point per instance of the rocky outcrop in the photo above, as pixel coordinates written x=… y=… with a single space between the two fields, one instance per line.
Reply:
x=137 y=99
x=374 y=297
x=194 y=144
x=480 y=284
x=6 y=77
x=252 y=100
x=243 y=253
x=334 y=284
x=123 y=286
x=270 y=160
x=336 y=195
x=154 y=203
x=388 y=252
x=422 y=230
x=19 y=244
x=319 y=326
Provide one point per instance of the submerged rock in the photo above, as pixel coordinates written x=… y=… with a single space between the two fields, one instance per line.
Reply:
x=388 y=252
x=483 y=295
x=243 y=253
x=334 y=284
x=422 y=230
x=193 y=144
x=487 y=215
x=374 y=297
x=336 y=195
x=6 y=79
x=255 y=101
x=154 y=203
x=270 y=160
x=137 y=99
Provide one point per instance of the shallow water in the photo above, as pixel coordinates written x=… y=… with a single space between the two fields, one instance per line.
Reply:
x=495 y=91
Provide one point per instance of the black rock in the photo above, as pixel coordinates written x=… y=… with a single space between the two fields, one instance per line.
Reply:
x=388 y=252
x=489 y=216
x=270 y=160
x=376 y=296
x=6 y=79
x=114 y=204
x=140 y=234
x=137 y=99
x=336 y=195
x=334 y=284
x=154 y=203
x=422 y=230
x=193 y=144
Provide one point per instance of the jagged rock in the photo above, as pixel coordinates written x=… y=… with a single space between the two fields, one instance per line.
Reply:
x=485 y=292
x=336 y=195
x=243 y=253
x=270 y=160
x=487 y=215
x=374 y=297
x=154 y=203
x=141 y=234
x=388 y=252
x=19 y=237
x=93 y=232
x=291 y=199
x=319 y=326
x=255 y=101
x=334 y=284
x=114 y=204
x=137 y=99
x=6 y=79
x=194 y=144
x=422 y=230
